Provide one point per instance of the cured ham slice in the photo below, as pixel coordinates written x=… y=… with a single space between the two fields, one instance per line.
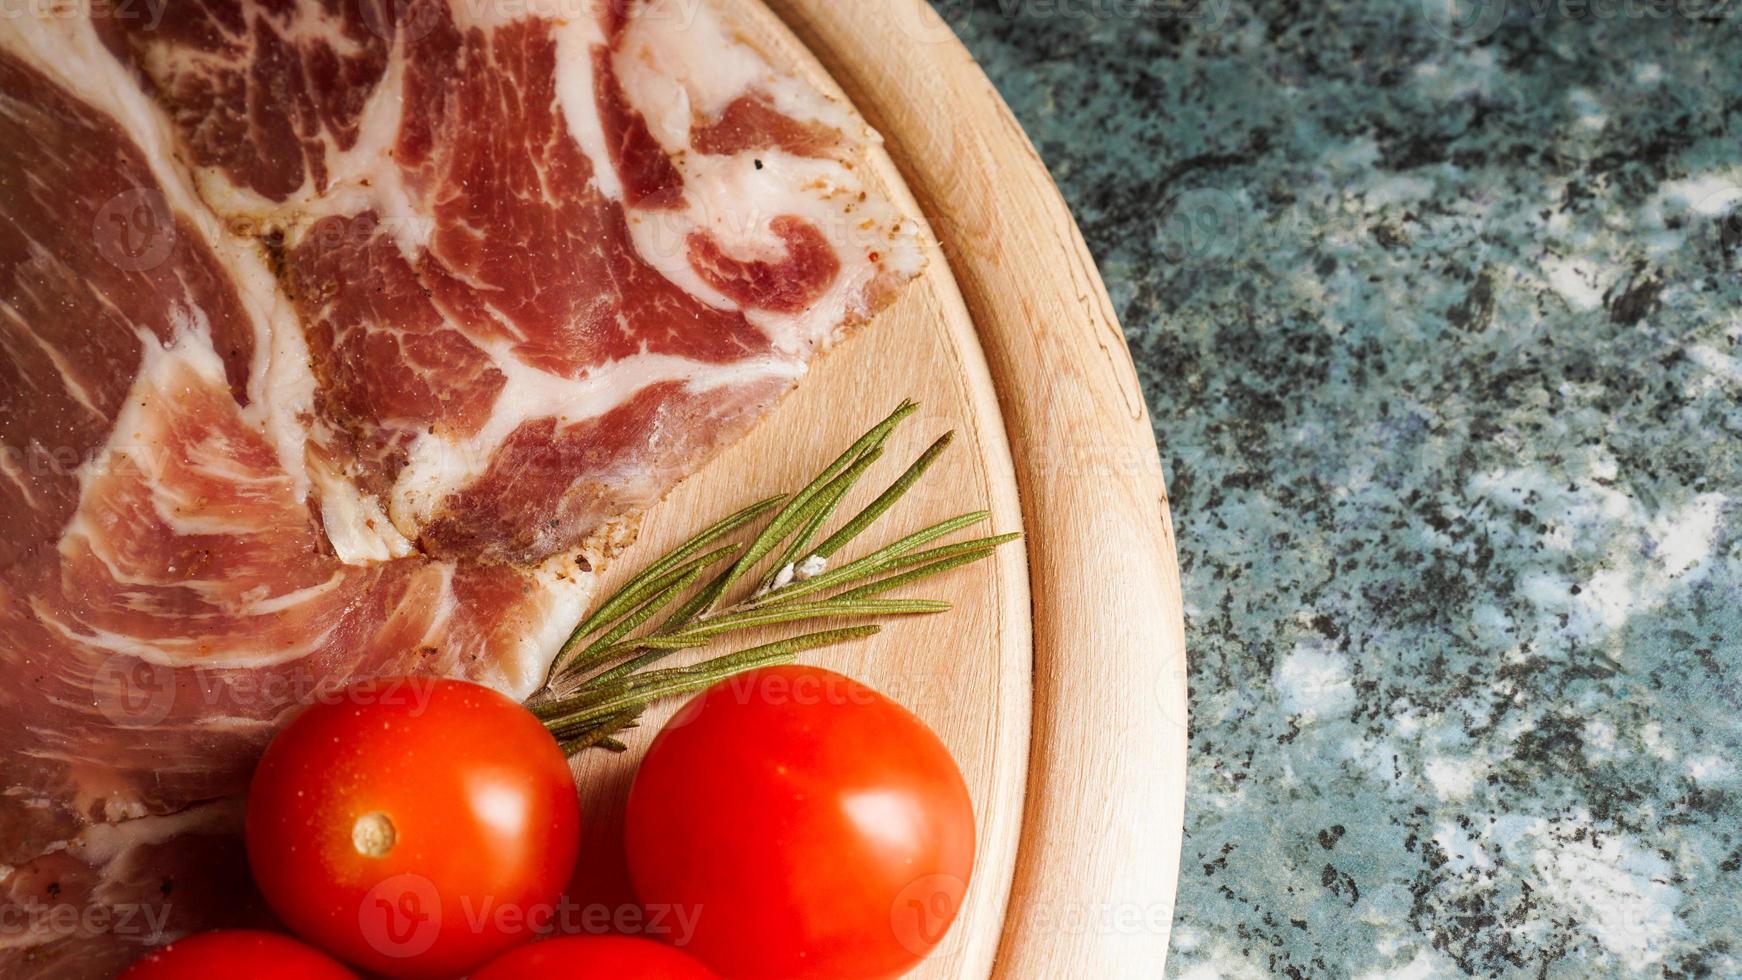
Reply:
x=345 y=338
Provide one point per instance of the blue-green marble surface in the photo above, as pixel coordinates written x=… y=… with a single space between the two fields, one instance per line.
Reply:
x=1439 y=314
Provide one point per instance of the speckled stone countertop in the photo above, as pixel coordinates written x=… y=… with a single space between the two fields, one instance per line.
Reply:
x=1440 y=319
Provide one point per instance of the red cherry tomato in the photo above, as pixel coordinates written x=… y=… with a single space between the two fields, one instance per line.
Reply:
x=607 y=957
x=237 y=953
x=815 y=828
x=414 y=827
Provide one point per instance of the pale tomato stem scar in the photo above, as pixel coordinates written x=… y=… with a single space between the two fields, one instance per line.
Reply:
x=373 y=835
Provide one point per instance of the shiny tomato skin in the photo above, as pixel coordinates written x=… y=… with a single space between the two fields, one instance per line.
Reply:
x=606 y=957
x=237 y=953
x=413 y=827
x=814 y=827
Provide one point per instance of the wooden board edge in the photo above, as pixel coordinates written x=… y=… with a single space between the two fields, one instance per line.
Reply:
x=1103 y=823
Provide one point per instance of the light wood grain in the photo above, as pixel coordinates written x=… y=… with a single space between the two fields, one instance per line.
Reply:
x=1099 y=856
x=1081 y=638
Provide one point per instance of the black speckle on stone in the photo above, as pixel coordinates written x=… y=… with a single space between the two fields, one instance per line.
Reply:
x=1637 y=302
x=1476 y=311
x=1327 y=627
x=1415 y=150
x=1650 y=154
x=1390 y=236
x=1340 y=883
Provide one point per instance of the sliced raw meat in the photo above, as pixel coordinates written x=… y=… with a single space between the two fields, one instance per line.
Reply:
x=499 y=231
x=343 y=338
x=85 y=279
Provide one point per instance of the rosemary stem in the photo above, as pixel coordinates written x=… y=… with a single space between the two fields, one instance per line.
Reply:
x=606 y=674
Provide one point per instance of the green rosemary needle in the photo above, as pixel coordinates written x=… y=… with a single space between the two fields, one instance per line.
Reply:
x=607 y=673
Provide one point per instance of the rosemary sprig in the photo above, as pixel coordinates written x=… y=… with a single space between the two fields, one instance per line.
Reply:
x=604 y=677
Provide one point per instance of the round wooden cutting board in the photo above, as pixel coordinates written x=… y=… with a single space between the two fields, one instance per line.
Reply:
x=1058 y=680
